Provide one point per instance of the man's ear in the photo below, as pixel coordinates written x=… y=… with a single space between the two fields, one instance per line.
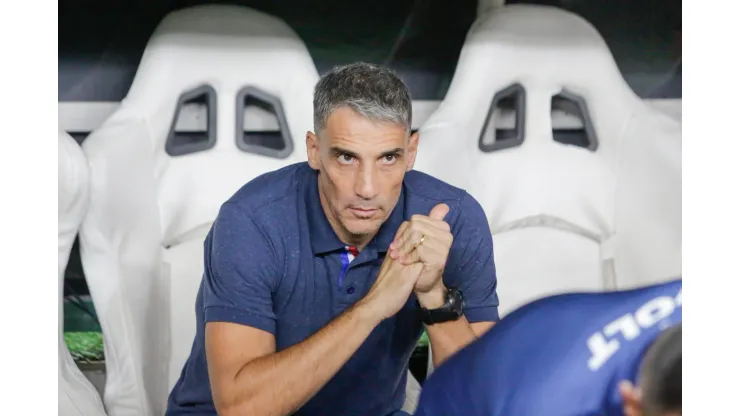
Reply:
x=411 y=151
x=312 y=150
x=631 y=399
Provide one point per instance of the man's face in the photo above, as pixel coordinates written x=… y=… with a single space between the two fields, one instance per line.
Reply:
x=361 y=166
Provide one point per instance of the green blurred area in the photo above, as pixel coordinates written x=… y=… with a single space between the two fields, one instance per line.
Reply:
x=82 y=332
x=424 y=341
x=85 y=346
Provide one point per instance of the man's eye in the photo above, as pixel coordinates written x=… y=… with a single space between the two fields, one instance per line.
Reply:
x=345 y=158
x=389 y=159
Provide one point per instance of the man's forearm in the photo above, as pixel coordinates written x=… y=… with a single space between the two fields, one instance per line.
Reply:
x=281 y=383
x=446 y=338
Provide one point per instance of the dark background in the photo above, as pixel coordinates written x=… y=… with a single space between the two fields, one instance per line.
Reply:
x=101 y=42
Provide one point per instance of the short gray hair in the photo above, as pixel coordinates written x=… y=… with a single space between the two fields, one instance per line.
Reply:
x=372 y=91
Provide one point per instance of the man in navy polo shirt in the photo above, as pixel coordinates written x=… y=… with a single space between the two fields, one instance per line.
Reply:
x=320 y=277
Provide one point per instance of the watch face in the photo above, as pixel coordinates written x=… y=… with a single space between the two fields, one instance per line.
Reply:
x=450 y=311
x=457 y=300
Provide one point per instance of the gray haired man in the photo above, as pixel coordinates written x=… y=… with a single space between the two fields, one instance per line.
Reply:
x=320 y=277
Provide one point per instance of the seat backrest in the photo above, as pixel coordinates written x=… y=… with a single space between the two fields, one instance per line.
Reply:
x=222 y=95
x=77 y=396
x=547 y=135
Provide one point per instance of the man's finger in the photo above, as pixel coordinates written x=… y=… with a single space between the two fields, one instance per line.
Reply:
x=407 y=242
x=423 y=226
x=427 y=221
x=415 y=256
x=390 y=255
x=439 y=211
x=401 y=229
x=401 y=236
x=425 y=253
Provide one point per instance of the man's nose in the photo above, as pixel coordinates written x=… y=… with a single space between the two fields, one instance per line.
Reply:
x=366 y=182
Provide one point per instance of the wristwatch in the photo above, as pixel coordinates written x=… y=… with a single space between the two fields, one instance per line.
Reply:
x=452 y=309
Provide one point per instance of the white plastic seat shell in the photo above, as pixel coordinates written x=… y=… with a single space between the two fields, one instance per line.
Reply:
x=142 y=242
x=77 y=396
x=564 y=218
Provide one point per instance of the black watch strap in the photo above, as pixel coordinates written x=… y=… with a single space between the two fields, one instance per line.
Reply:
x=452 y=309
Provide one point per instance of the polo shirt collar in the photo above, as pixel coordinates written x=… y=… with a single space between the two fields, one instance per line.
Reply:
x=323 y=237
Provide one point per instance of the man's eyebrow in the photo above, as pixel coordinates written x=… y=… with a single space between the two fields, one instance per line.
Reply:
x=339 y=151
x=393 y=152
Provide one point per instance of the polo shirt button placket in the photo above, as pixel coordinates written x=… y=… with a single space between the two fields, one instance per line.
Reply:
x=349 y=254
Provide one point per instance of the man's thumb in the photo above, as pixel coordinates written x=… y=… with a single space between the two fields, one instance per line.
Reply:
x=439 y=212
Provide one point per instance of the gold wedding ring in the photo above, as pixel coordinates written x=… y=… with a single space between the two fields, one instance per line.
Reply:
x=421 y=241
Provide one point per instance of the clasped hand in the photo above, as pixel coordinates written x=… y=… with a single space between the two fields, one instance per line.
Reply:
x=426 y=240
x=413 y=263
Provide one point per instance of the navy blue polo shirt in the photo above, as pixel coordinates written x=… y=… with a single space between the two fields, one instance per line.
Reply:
x=273 y=262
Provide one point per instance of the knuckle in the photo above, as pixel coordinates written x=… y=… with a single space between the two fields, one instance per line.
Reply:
x=401 y=229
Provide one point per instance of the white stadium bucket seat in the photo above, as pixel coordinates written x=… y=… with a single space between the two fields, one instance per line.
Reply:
x=77 y=396
x=222 y=95
x=580 y=179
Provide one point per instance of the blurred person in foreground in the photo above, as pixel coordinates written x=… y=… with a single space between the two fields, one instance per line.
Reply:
x=613 y=353
x=320 y=277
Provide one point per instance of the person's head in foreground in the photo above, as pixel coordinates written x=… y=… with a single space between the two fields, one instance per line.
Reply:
x=362 y=147
x=566 y=355
x=658 y=390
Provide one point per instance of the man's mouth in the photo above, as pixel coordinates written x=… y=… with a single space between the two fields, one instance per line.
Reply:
x=363 y=212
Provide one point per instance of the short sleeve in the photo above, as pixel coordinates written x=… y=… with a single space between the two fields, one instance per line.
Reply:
x=470 y=266
x=240 y=271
